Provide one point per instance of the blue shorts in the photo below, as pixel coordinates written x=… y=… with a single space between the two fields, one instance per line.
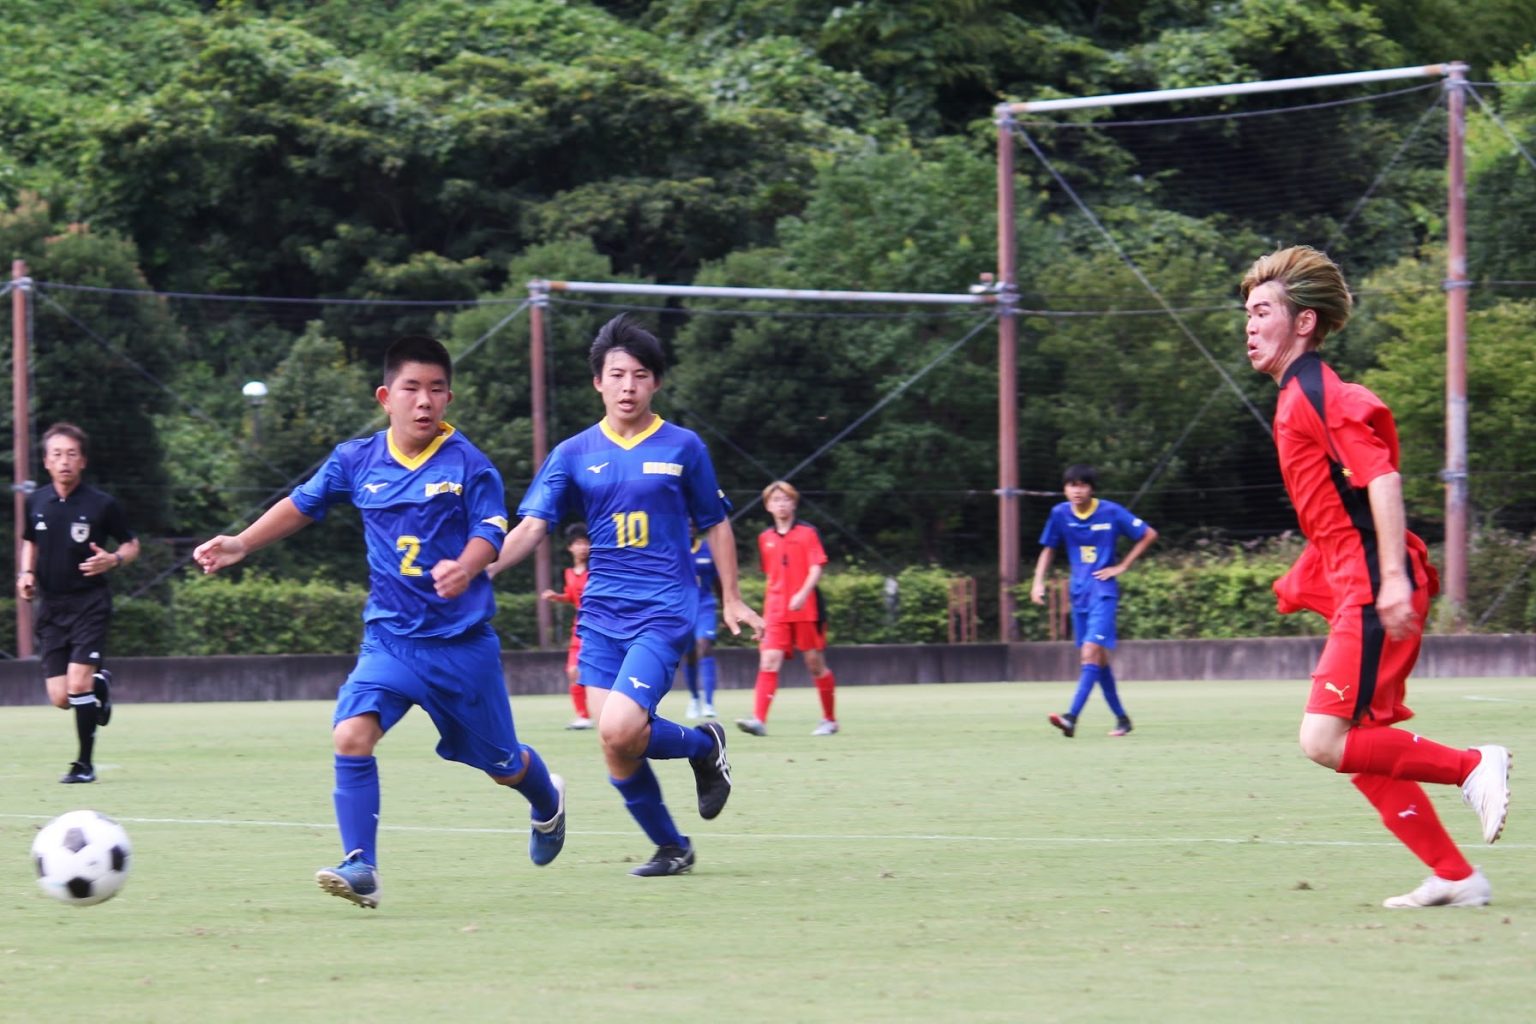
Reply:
x=641 y=667
x=1095 y=623
x=708 y=619
x=458 y=682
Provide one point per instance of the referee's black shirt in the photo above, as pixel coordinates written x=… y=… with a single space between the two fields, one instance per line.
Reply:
x=62 y=531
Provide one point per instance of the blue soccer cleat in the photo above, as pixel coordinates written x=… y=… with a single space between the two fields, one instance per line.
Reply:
x=547 y=838
x=353 y=879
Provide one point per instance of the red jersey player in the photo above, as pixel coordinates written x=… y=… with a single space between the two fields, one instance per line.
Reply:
x=791 y=556
x=1365 y=573
x=580 y=547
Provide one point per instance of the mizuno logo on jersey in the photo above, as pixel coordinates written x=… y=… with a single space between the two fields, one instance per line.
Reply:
x=445 y=487
x=597 y=468
x=373 y=488
x=1102 y=526
x=637 y=684
x=664 y=468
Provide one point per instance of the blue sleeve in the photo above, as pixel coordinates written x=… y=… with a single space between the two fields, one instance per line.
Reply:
x=547 y=495
x=707 y=503
x=485 y=499
x=1129 y=524
x=1050 y=535
x=330 y=484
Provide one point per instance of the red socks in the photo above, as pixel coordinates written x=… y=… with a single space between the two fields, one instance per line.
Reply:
x=579 y=699
x=767 y=686
x=1401 y=754
x=824 y=687
x=1406 y=811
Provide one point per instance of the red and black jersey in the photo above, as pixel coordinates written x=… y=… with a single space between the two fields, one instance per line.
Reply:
x=786 y=559
x=575 y=583
x=1333 y=439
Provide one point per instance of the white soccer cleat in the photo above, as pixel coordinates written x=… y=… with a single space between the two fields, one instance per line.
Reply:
x=693 y=709
x=1486 y=790
x=1472 y=891
x=580 y=722
x=828 y=727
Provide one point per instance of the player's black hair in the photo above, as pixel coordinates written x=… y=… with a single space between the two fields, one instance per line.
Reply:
x=624 y=334
x=576 y=531
x=416 y=348
x=1081 y=473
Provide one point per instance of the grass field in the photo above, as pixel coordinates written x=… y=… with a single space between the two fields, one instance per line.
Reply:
x=947 y=857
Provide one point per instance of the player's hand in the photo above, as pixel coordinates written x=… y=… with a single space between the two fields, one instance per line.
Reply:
x=1037 y=593
x=1109 y=572
x=26 y=589
x=449 y=579
x=550 y=595
x=100 y=561
x=1394 y=607
x=219 y=553
x=797 y=602
x=735 y=613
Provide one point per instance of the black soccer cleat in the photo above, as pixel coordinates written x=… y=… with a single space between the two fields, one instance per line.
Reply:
x=712 y=774
x=1066 y=723
x=103 y=692
x=667 y=860
x=79 y=771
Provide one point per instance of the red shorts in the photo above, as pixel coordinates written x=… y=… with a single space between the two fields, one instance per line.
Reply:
x=573 y=653
x=790 y=637
x=1360 y=656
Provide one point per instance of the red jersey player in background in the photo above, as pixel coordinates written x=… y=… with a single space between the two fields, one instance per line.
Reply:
x=791 y=556
x=580 y=546
x=1365 y=573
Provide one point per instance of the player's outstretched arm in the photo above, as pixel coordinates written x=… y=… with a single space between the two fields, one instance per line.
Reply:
x=281 y=520
x=734 y=612
x=521 y=541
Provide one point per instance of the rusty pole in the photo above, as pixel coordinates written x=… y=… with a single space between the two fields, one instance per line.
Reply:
x=1456 y=286
x=21 y=433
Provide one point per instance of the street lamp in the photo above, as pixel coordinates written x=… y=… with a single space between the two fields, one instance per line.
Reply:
x=255 y=393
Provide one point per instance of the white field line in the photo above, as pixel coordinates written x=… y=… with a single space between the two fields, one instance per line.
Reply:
x=851 y=837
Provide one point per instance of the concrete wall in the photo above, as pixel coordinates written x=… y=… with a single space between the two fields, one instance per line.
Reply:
x=316 y=677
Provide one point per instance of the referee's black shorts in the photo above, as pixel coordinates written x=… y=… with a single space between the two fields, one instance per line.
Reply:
x=73 y=628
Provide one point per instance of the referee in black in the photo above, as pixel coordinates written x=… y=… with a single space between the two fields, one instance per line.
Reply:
x=64 y=563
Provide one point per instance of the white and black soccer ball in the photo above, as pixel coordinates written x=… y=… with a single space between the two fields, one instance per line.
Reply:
x=82 y=858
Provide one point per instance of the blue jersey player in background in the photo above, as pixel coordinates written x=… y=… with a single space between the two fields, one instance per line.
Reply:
x=699 y=668
x=1090 y=528
x=641 y=484
x=434 y=516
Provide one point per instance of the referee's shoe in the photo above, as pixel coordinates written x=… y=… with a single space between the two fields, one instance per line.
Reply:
x=103 y=692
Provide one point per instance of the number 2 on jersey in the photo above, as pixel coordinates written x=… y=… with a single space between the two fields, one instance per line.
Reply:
x=412 y=548
x=632 y=529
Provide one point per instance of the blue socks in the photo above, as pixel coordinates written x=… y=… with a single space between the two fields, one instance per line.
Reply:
x=691 y=673
x=642 y=798
x=1111 y=694
x=357 y=805
x=670 y=741
x=708 y=676
x=543 y=801
x=1085 y=683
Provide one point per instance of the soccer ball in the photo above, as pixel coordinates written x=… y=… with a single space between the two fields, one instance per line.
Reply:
x=82 y=858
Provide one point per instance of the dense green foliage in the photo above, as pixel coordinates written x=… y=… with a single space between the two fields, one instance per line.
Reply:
x=350 y=158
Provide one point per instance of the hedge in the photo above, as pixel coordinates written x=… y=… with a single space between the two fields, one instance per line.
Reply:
x=1212 y=592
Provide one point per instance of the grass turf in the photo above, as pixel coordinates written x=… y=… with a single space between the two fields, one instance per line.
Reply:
x=949 y=856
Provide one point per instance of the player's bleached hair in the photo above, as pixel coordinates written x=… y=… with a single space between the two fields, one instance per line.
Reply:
x=1309 y=280
x=416 y=348
x=781 y=485
x=69 y=430
x=624 y=334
